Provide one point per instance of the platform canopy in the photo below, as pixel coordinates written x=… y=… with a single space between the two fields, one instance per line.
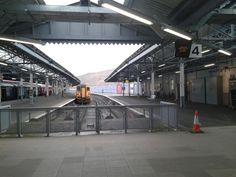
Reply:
x=74 y=23
x=18 y=60
x=210 y=23
x=207 y=22
x=89 y=22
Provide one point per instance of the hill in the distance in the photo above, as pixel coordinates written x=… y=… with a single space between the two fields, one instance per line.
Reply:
x=96 y=78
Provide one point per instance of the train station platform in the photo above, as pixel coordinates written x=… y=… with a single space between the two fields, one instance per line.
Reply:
x=42 y=101
x=209 y=115
x=162 y=154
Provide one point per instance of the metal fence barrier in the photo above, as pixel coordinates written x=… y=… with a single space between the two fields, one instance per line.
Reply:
x=88 y=118
x=5 y=118
x=168 y=114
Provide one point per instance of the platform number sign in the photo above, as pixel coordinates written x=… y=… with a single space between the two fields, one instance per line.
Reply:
x=195 y=51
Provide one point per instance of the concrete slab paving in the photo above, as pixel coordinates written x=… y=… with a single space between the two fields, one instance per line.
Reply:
x=162 y=154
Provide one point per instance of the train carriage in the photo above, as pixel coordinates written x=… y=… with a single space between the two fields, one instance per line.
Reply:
x=82 y=95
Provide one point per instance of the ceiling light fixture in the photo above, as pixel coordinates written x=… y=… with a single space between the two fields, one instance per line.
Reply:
x=205 y=51
x=225 y=52
x=4 y=64
x=143 y=72
x=160 y=75
x=161 y=65
x=171 y=31
x=20 y=40
x=125 y=11
x=22 y=69
x=177 y=72
x=209 y=65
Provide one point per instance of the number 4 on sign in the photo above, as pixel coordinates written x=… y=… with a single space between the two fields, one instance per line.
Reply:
x=196 y=51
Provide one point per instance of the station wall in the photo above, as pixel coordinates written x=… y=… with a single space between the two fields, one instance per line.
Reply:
x=209 y=86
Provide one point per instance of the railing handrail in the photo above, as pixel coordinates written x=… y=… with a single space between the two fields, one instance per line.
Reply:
x=90 y=106
x=127 y=115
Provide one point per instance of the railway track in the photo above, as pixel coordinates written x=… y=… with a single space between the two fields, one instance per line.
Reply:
x=64 y=120
x=88 y=115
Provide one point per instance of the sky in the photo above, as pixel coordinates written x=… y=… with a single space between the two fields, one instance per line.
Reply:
x=81 y=59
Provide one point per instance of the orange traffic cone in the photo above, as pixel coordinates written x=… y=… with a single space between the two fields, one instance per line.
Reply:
x=196 y=124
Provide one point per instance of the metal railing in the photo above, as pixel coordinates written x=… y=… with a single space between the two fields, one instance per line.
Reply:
x=5 y=118
x=47 y=120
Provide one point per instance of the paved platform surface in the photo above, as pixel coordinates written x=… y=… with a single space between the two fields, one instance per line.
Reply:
x=161 y=154
x=209 y=115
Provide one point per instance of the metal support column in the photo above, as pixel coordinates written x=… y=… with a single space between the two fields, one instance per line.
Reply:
x=138 y=83
x=61 y=87
x=36 y=89
x=53 y=87
x=67 y=85
x=128 y=81
x=129 y=88
x=31 y=94
x=181 y=84
x=123 y=88
x=1 y=78
x=232 y=30
x=57 y=87
x=47 y=84
x=140 y=88
x=21 y=88
x=152 y=85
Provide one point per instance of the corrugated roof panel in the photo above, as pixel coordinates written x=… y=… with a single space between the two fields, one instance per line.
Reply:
x=155 y=7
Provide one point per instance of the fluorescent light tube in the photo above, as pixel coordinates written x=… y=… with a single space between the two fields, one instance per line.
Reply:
x=205 y=51
x=225 y=52
x=160 y=75
x=22 y=69
x=128 y=14
x=143 y=72
x=20 y=40
x=161 y=65
x=4 y=64
x=209 y=65
x=177 y=34
x=177 y=72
